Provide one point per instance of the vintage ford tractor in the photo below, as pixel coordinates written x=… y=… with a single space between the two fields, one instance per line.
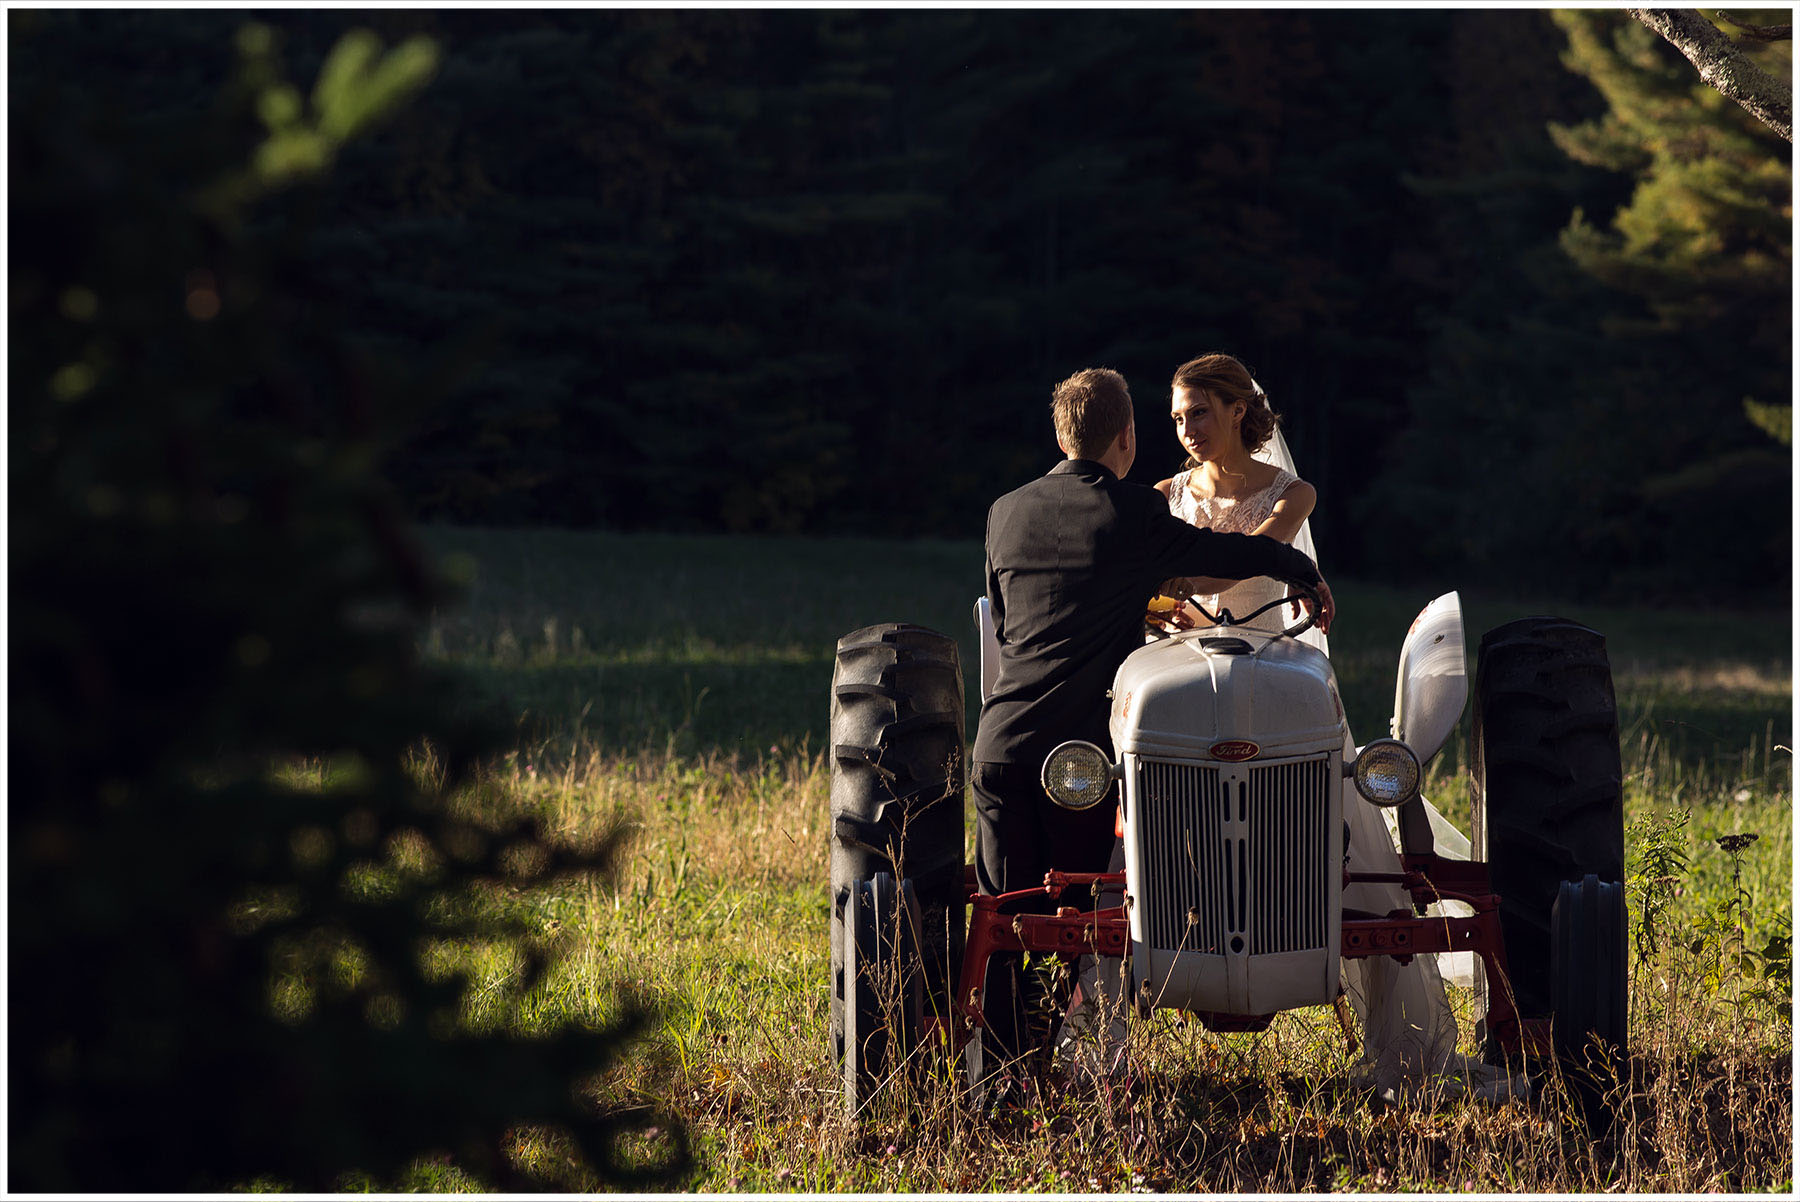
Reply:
x=1234 y=769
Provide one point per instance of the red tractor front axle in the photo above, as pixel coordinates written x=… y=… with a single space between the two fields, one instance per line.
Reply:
x=1070 y=932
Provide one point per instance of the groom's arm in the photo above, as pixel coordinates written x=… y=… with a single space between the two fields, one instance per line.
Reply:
x=1171 y=547
x=1174 y=548
x=996 y=607
x=1291 y=511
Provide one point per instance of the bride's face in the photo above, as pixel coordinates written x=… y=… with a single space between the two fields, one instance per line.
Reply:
x=1206 y=427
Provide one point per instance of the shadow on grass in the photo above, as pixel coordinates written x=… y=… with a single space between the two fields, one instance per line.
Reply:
x=706 y=644
x=751 y=704
x=687 y=708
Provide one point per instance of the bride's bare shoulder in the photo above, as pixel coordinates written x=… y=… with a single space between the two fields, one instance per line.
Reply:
x=1299 y=495
x=1263 y=475
x=1162 y=486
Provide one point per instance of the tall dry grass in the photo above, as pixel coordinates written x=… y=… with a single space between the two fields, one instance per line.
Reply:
x=719 y=910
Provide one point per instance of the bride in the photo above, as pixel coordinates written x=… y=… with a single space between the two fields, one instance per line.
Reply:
x=1223 y=419
x=1240 y=478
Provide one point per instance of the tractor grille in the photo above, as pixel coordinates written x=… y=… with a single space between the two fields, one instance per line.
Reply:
x=1236 y=857
x=1185 y=854
x=1288 y=843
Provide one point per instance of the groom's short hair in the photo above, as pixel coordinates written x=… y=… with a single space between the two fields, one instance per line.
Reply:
x=1090 y=409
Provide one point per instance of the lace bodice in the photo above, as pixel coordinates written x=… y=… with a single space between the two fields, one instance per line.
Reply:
x=1227 y=515
x=1239 y=515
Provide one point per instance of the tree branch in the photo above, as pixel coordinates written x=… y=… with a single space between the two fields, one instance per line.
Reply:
x=1722 y=65
x=1761 y=33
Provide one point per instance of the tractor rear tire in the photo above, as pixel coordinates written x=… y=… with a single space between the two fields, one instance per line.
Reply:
x=882 y=986
x=897 y=804
x=1548 y=798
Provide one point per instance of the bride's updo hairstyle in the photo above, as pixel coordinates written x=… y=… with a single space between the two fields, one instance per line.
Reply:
x=1224 y=377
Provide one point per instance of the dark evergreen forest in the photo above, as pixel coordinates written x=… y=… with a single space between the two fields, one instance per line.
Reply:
x=1519 y=281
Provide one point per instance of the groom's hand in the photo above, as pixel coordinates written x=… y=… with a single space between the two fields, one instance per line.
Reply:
x=1327 y=608
x=1323 y=610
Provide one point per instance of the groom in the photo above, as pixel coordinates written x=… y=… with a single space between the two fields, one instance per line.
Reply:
x=1072 y=559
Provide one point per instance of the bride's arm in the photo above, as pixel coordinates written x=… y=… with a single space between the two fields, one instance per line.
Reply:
x=1292 y=507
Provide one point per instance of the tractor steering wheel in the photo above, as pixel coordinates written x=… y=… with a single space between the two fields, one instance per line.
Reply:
x=1299 y=591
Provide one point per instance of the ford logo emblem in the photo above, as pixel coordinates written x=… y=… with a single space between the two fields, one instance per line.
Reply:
x=1234 y=749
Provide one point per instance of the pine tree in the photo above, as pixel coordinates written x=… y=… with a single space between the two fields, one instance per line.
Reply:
x=1703 y=252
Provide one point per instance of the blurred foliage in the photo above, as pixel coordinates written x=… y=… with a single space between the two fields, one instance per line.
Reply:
x=1775 y=420
x=229 y=871
x=817 y=271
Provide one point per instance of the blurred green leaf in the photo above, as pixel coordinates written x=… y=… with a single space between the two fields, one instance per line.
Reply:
x=292 y=155
x=1777 y=421
x=279 y=107
x=335 y=93
x=358 y=84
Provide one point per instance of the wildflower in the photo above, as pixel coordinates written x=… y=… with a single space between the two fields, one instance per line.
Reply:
x=1736 y=843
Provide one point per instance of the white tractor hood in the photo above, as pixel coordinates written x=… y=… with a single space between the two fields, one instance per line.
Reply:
x=1178 y=697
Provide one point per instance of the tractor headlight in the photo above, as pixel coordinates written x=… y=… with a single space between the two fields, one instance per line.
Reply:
x=1387 y=772
x=1077 y=775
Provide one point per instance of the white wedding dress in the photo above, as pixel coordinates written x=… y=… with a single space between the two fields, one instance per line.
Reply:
x=1237 y=516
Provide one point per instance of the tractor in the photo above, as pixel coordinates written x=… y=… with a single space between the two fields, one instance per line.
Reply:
x=1233 y=768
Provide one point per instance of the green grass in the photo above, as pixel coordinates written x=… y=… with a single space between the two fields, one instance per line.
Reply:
x=680 y=685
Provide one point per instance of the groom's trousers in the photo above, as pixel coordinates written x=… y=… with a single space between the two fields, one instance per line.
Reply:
x=1020 y=834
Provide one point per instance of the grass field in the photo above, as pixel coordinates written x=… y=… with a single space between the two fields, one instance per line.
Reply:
x=680 y=685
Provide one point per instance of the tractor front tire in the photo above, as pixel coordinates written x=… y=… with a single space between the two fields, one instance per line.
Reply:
x=897 y=811
x=1549 y=810
x=882 y=987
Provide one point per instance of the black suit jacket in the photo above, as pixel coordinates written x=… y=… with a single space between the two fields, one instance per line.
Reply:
x=1072 y=559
